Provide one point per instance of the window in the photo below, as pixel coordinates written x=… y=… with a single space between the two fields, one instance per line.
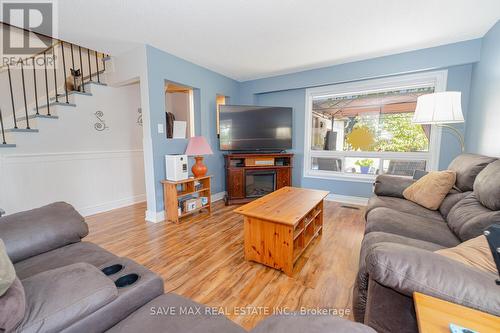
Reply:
x=362 y=129
x=219 y=100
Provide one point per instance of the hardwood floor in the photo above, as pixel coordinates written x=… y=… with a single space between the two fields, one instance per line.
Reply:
x=202 y=258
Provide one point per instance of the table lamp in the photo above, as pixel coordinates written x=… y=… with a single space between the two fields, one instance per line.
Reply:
x=198 y=146
x=440 y=109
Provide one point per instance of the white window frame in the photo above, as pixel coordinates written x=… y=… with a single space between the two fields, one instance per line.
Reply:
x=438 y=79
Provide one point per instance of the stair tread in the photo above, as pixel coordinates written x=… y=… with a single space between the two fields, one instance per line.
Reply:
x=33 y=116
x=21 y=130
x=56 y=103
x=73 y=92
x=8 y=145
x=95 y=82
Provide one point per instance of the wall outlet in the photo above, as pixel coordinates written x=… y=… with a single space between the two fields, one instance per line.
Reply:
x=160 y=129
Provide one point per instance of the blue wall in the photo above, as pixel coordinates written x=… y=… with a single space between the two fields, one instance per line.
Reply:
x=483 y=134
x=162 y=66
x=289 y=90
x=458 y=80
x=421 y=60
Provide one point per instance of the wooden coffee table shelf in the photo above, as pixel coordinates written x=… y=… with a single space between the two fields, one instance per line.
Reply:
x=280 y=226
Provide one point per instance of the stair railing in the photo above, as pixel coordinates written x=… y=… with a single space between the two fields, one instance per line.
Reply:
x=4 y=142
x=47 y=79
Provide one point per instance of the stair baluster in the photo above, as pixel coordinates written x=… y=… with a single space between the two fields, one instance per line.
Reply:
x=12 y=98
x=1 y=127
x=46 y=77
x=24 y=94
x=34 y=81
x=81 y=68
x=46 y=82
x=90 y=67
x=64 y=71
x=73 y=66
x=97 y=67
x=55 y=71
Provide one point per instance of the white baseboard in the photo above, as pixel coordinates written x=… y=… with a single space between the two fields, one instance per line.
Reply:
x=218 y=196
x=347 y=199
x=104 y=207
x=155 y=217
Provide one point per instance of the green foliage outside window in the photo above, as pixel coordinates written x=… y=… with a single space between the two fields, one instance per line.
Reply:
x=392 y=132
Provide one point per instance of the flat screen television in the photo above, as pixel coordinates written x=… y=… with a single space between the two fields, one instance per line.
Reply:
x=255 y=128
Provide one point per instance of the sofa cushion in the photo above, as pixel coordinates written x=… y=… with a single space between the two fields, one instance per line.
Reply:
x=7 y=272
x=163 y=314
x=402 y=205
x=360 y=290
x=475 y=252
x=451 y=200
x=487 y=186
x=391 y=186
x=59 y=297
x=12 y=306
x=468 y=218
x=411 y=226
x=430 y=190
x=467 y=167
x=407 y=270
x=39 y=230
x=298 y=323
x=63 y=256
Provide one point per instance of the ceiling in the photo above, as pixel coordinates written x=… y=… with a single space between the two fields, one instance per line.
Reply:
x=247 y=39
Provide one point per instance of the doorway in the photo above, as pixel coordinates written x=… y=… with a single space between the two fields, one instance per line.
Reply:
x=179 y=111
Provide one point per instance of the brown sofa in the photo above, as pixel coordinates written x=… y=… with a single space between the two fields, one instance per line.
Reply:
x=397 y=256
x=66 y=285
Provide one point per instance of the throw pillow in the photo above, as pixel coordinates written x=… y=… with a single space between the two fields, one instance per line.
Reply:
x=430 y=190
x=12 y=307
x=7 y=272
x=12 y=297
x=475 y=252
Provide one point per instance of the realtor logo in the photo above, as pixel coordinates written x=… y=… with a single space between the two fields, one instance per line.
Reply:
x=35 y=16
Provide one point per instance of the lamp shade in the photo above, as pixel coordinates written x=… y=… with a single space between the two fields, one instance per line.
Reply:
x=198 y=146
x=439 y=108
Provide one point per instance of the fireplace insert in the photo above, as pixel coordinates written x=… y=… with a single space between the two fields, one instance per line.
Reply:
x=259 y=182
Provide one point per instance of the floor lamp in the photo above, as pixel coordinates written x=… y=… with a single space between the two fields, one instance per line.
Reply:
x=441 y=109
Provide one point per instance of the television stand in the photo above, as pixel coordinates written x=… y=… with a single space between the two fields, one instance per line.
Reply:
x=252 y=175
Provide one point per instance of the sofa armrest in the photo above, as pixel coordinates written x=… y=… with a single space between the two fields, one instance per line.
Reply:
x=40 y=230
x=407 y=269
x=391 y=186
x=298 y=322
x=57 y=298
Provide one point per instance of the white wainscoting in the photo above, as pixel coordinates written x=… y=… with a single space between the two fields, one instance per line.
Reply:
x=92 y=182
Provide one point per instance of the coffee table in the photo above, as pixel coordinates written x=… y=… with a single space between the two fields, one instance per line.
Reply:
x=280 y=226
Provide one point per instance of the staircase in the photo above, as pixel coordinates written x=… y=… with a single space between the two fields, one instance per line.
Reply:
x=35 y=88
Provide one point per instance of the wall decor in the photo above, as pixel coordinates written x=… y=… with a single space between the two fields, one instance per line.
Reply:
x=100 y=125
x=139 y=119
